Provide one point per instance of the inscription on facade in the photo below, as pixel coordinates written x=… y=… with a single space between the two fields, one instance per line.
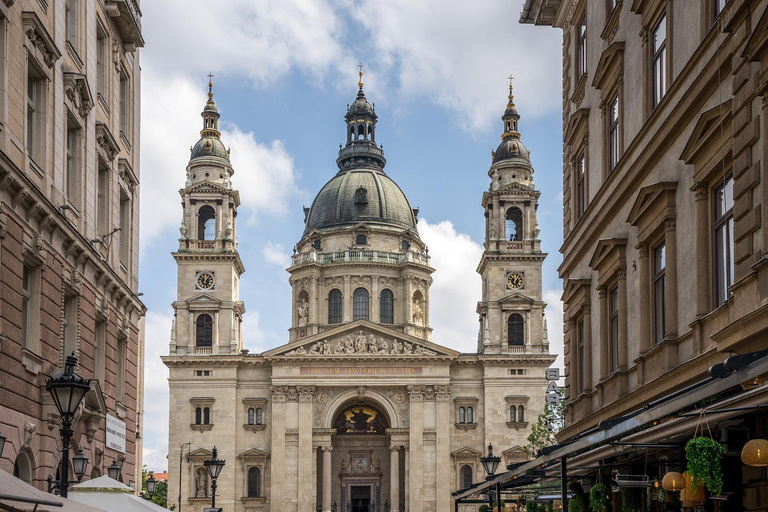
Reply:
x=359 y=370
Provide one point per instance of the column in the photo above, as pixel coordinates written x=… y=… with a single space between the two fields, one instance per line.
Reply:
x=670 y=294
x=500 y=224
x=217 y=349
x=220 y=224
x=375 y=308
x=416 y=444
x=394 y=479
x=408 y=299
x=604 y=355
x=347 y=299
x=622 y=288
x=644 y=272
x=306 y=487
x=571 y=360
x=407 y=479
x=277 y=459
x=703 y=286
x=314 y=302
x=327 y=478
x=588 y=385
x=443 y=447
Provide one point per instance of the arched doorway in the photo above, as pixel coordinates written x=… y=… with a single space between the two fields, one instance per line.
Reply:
x=360 y=461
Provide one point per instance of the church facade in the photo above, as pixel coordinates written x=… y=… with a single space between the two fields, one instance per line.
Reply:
x=360 y=410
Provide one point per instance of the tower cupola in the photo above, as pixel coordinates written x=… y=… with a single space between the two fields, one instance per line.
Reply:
x=361 y=149
x=511 y=148
x=210 y=138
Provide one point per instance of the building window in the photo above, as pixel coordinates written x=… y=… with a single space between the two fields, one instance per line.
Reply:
x=611 y=5
x=204 y=334
x=514 y=224
x=206 y=223
x=462 y=415
x=334 y=307
x=125 y=104
x=70 y=324
x=405 y=244
x=198 y=416
x=30 y=307
x=125 y=230
x=206 y=415
x=72 y=22
x=515 y=330
x=613 y=133
x=470 y=418
x=466 y=476
x=99 y=342
x=718 y=6
x=659 y=59
x=72 y=167
x=613 y=329
x=360 y=304
x=259 y=416
x=254 y=482
x=512 y=413
x=251 y=416
x=122 y=355
x=102 y=63
x=316 y=245
x=386 y=307
x=581 y=48
x=580 y=355
x=361 y=240
x=659 y=289
x=521 y=414
x=723 y=227
x=581 y=187
x=102 y=205
x=36 y=120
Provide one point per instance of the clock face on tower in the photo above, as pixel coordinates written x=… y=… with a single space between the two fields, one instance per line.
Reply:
x=515 y=280
x=204 y=279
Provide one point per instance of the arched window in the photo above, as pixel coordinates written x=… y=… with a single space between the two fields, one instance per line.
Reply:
x=360 y=304
x=22 y=467
x=352 y=132
x=520 y=414
x=512 y=413
x=254 y=483
x=462 y=417
x=206 y=223
x=360 y=132
x=259 y=416
x=466 y=476
x=207 y=416
x=198 y=416
x=514 y=224
x=515 y=330
x=334 y=307
x=470 y=419
x=250 y=416
x=386 y=307
x=204 y=337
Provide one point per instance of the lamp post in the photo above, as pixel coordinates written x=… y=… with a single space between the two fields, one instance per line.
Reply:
x=79 y=464
x=214 y=466
x=67 y=390
x=490 y=463
x=113 y=471
x=151 y=484
x=181 y=459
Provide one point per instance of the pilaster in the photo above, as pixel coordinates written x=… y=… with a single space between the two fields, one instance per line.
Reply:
x=416 y=444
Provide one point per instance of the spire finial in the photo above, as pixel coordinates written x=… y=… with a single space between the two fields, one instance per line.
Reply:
x=210 y=86
x=511 y=96
x=360 y=83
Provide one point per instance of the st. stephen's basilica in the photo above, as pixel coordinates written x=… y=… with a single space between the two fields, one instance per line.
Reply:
x=360 y=410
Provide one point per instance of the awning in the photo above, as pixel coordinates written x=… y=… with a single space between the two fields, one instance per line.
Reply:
x=17 y=495
x=643 y=424
x=104 y=492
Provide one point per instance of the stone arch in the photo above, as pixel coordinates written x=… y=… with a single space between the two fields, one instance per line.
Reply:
x=372 y=397
x=23 y=465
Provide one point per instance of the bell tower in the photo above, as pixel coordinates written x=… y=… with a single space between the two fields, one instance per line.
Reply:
x=511 y=310
x=208 y=311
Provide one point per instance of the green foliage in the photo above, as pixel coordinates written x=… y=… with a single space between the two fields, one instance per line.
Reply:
x=579 y=502
x=704 y=463
x=547 y=425
x=631 y=500
x=484 y=508
x=598 y=498
x=535 y=507
x=160 y=497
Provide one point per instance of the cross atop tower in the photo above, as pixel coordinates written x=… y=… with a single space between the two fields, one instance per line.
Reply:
x=511 y=96
x=360 y=83
x=210 y=85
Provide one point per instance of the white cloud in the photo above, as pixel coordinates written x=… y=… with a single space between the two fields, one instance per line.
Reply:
x=157 y=330
x=459 y=54
x=554 y=314
x=276 y=253
x=456 y=286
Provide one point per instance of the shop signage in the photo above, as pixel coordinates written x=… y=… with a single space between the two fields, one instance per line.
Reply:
x=115 y=434
x=553 y=390
x=359 y=370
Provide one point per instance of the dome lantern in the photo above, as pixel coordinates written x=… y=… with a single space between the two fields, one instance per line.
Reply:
x=210 y=138
x=360 y=120
x=511 y=148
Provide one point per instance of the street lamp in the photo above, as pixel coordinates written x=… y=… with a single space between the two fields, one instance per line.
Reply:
x=79 y=463
x=214 y=467
x=113 y=471
x=67 y=390
x=490 y=463
x=151 y=484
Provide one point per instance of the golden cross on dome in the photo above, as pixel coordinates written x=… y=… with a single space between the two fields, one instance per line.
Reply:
x=510 y=82
x=360 y=83
x=210 y=84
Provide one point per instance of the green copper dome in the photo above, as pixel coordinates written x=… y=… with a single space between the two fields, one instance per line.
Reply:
x=209 y=146
x=360 y=195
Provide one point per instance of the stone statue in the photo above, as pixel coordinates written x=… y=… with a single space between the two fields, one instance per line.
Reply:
x=316 y=349
x=418 y=316
x=373 y=345
x=383 y=346
x=349 y=345
x=361 y=344
x=492 y=232
x=340 y=346
x=397 y=347
x=201 y=484
x=303 y=310
x=407 y=348
x=326 y=348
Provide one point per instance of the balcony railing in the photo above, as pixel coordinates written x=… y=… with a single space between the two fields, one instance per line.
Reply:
x=203 y=351
x=355 y=256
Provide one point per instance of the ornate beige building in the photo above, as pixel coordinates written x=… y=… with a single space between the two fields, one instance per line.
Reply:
x=360 y=408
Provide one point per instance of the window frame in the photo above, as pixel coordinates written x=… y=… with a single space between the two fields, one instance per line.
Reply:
x=613 y=328
x=335 y=307
x=521 y=331
x=386 y=307
x=581 y=47
x=580 y=354
x=725 y=222
x=103 y=63
x=258 y=492
x=581 y=184
x=361 y=304
x=36 y=117
x=659 y=61
x=103 y=197
x=658 y=297
x=614 y=131
x=206 y=329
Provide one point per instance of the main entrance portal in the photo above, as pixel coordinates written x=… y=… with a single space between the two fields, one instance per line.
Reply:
x=360 y=498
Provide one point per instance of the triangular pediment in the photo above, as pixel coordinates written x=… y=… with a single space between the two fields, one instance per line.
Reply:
x=253 y=453
x=203 y=297
x=466 y=452
x=517 y=298
x=712 y=124
x=200 y=453
x=207 y=186
x=572 y=286
x=362 y=339
x=515 y=187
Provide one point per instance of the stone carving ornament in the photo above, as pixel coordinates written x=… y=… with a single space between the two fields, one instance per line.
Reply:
x=303 y=310
x=361 y=344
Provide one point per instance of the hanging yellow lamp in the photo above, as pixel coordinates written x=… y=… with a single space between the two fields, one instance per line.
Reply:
x=755 y=453
x=673 y=482
x=689 y=497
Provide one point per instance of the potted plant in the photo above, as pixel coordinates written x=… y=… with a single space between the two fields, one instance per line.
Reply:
x=579 y=502
x=484 y=508
x=598 y=498
x=704 y=456
x=631 y=499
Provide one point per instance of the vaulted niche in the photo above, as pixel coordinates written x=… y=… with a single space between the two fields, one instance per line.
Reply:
x=361 y=420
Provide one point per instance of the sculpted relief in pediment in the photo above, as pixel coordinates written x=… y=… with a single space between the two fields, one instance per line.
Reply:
x=361 y=343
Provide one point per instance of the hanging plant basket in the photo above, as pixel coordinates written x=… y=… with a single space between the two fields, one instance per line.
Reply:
x=704 y=456
x=598 y=498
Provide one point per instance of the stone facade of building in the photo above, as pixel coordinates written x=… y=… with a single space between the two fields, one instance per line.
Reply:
x=664 y=194
x=69 y=218
x=360 y=407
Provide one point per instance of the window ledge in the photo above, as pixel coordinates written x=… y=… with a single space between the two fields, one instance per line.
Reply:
x=612 y=23
x=74 y=54
x=202 y=427
x=257 y=499
x=104 y=105
x=124 y=140
x=121 y=409
x=31 y=361
x=579 y=90
x=254 y=428
x=517 y=425
x=466 y=426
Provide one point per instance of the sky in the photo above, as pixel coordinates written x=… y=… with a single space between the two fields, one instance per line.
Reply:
x=284 y=71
